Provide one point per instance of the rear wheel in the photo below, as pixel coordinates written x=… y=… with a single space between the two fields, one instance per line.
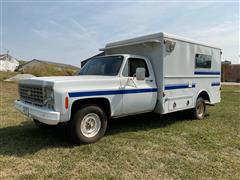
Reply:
x=200 y=109
x=88 y=125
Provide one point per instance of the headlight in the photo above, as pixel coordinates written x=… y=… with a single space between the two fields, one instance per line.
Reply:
x=49 y=93
x=49 y=97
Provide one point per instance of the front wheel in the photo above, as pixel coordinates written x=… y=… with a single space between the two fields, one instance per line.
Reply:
x=200 y=109
x=88 y=125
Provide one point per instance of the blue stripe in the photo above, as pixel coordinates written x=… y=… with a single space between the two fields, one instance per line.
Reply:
x=207 y=73
x=111 y=92
x=216 y=84
x=178 y=86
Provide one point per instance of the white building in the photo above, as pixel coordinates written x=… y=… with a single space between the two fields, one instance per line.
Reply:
x=8 y=63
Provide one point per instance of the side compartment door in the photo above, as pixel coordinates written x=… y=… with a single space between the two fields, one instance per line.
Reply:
x=139 y=95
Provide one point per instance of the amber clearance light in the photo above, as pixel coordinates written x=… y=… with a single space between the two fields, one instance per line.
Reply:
x=66 y=102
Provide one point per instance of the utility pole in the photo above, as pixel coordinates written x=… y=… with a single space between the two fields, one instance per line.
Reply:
x=7 y=53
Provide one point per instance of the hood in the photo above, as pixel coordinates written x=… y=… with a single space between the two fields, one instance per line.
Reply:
x=74 y=82
x=67 y=78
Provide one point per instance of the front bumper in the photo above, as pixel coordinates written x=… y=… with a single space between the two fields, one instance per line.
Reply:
x=43 y=115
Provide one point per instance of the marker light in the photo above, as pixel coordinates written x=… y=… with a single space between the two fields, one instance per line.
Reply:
x=66 y=102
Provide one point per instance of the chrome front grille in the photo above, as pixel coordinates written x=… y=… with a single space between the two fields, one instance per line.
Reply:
x=32 y=94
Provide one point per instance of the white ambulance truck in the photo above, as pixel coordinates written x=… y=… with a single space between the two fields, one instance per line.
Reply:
x=158 y=73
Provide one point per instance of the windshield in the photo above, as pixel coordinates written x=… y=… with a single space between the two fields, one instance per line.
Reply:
x=105 y=66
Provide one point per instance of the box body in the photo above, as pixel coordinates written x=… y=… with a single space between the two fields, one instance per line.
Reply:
x=180 y=74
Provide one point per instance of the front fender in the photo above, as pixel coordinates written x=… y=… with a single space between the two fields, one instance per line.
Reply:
x=114 y=102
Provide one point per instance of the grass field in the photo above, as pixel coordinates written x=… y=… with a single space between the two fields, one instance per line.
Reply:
x=6 y=75
x=140 y=147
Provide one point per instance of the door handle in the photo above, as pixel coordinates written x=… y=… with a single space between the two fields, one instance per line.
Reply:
x=149 y=80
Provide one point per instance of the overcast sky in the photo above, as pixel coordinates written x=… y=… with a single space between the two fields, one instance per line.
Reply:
x=69 y=32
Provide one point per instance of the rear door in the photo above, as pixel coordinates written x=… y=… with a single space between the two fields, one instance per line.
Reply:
x=139 y=95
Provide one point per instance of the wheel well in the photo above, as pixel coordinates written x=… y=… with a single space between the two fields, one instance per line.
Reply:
x=204 y=95
x=102 y=102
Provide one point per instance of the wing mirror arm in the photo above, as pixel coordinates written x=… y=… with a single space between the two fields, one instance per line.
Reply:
x=130 y=82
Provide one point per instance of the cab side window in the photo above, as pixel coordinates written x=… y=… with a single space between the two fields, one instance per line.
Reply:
x=134 y=63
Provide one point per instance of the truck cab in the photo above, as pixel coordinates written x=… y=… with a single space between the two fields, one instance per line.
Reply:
x=112 y=86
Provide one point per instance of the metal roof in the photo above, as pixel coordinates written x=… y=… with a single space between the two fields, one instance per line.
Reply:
x=50 y=62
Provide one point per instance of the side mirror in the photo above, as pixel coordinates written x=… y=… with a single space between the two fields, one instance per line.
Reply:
x=140 y=73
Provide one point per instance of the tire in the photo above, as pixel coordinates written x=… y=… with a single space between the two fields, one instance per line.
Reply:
x=88 y=125
x=42 y=125
x=199 y=110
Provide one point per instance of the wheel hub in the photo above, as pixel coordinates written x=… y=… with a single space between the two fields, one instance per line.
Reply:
x=200 y=109
x=90 y=125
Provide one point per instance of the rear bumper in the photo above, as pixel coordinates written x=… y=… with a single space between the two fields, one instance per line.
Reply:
x=43 y=115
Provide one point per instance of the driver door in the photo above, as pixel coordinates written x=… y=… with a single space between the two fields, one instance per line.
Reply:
x=139 y=95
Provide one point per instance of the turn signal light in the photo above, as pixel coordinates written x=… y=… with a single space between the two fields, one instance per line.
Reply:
x=66 y=102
